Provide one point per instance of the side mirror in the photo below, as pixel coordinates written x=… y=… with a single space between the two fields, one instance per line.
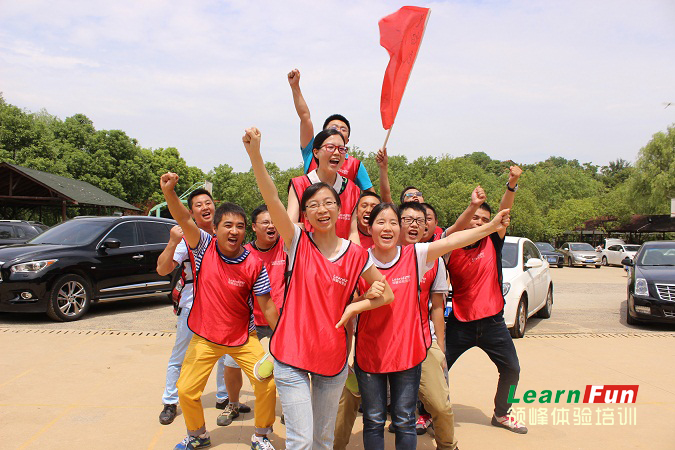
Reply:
x=626 y=261
x=111 y=243
x=533 y=263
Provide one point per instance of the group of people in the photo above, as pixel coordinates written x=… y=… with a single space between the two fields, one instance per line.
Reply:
x=338 y=267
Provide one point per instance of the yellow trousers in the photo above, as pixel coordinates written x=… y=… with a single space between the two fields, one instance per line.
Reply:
x=199 y=360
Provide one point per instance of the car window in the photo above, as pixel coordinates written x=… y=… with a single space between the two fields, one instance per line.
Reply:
x=126 y=233
x=32 y=231
x=20 y=233
x=509 y=255
x=73 y=232
x=545 y=247
x=631 y=248
x=154 y=233
x=581 y=247
x=614 y=248
x=657 y=257
x=529 y=251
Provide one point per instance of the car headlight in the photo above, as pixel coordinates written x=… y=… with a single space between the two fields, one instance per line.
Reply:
x=505 y=288
x=32 y=266
x=641 y=287
x=579 y=258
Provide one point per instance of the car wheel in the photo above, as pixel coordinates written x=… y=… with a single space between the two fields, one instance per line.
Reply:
x=604 y=261
x=569 y=262
x=69 y=299
x=630 y=320
x=545 y=312
x=518 y=330
x=560 y=266
x=597 y=266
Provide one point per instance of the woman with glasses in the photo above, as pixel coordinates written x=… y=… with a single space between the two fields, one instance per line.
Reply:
x=390 y=341
x=329 y=150
x=310 y=344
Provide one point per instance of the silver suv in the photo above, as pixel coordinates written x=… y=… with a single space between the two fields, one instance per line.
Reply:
x=580 y=253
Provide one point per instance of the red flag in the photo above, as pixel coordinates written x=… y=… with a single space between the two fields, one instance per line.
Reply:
x=401 y=34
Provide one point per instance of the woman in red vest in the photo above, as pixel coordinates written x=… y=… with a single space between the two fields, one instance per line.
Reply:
x=310 y=344
x=329 y=150
x=391 y=341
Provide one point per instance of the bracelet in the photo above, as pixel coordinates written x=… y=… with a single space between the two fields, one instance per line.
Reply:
x=512 y=189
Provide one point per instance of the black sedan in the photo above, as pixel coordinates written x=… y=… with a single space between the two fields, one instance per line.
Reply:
x=85 y=259
x=651 y=288
x=553 y=257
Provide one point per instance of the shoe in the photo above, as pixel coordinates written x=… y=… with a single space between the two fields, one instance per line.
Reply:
x=264 y=368
x=230 y=413
x=193 y=442
x=423 y=422
x=244 y=409
x=509 y=423
x=391 y=428
x=168 y=414
x=261 y=443
x=283 y=419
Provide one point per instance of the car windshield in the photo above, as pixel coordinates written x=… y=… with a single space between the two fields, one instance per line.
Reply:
x=631 y=248
x=73 y=232
x=509 y=255
x=545 y=247
x=662 y=255
x=581 y=247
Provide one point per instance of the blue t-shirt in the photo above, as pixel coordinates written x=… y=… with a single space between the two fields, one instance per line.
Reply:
x=362 y=178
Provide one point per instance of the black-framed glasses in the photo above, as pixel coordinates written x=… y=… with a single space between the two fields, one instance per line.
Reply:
x=332 y=147
x=413 y=194
x=409 y=220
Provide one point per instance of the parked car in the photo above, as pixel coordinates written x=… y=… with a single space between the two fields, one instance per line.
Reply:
x=614 y=254
x=651 y=286
x=580 y=253
x=19 y=231
x=527 y=285
x=64 y=269
x=553 y=257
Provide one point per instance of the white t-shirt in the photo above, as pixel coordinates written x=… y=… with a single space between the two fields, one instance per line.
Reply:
x=179 y=256
x=440 y=285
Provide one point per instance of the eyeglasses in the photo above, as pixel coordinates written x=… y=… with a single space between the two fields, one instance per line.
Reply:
x=332 y=147
x=265 y=224
x=340 y=129
x=413 y=194
x=315 y=205
x=409 y=220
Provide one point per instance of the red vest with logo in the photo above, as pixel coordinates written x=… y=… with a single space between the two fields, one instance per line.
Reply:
x=366 y=240
x=317 y=294
x=221 y=311
x=476 y=292
x=349 y=197
x=425 y=294
x=274 y=260
x=349 y=169
x=437 y=233
x=391 y=338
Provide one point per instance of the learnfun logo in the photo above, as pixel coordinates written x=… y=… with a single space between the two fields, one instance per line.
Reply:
x=238 y=283
x=279 y=262
x=611 y=393
x=342 y=281
x=481 y=255
x=345 y=217
x=401 y=280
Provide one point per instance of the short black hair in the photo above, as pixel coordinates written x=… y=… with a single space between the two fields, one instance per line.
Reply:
x=406 y=189
x=341 y=118
x=411 y=205
x=228 y=208
x=369 y=194
x=195 y=193
x=486 y=207
x=313 y=189
x=321 y=137
x=431 y=208
x=383 y=207
x=256 y=212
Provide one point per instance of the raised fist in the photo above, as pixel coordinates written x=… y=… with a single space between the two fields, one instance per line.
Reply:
x=168 y=181
x=251 y=139
x=382 y=159
x=514 y=173
x=294 y=77
x=478 y=196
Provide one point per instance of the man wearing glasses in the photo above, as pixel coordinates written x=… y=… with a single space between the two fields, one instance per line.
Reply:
x=352 y=167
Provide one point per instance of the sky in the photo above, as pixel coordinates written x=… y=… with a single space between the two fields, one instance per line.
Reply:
x=518 y=80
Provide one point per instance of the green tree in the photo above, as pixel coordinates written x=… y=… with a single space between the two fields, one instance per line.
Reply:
x=653 y=181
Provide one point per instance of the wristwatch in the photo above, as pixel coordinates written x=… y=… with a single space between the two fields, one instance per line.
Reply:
x=514 y=189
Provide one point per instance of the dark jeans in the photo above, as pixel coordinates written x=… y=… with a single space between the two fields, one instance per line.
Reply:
x=491 y=335
x=404 y=387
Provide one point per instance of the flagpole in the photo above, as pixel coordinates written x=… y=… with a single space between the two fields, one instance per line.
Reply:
x=387 y=138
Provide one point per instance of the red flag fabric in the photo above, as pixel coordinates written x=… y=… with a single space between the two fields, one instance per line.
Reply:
x=401 y=34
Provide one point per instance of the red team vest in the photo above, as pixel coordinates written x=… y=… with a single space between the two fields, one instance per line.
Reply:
x=349 y=169
x=220 y=311
x=349 y=197
x=476 y=292
x=366 y=240
x=317 y=294
x=391 y=338
x=274 y=260
x=437 y=233
x=425 y=294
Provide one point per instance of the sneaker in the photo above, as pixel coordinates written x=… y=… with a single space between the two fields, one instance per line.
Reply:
x=230 y=413
x=168 y=414
x=261 y=443
x=509 y=423
x=423 y=422
x=264 y=368
x=244 y=409
x=193 y=442
x=283 y=419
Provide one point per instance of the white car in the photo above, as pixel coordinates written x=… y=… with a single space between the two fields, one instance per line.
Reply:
x=614 y=254
x=527 y=285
